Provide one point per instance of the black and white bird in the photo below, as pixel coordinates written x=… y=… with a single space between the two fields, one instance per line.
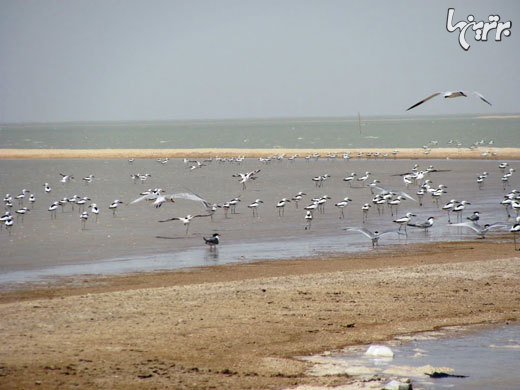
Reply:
x=374 y=236
x=88 y=179
x=185 y=220
x=515 y=229
x=213 y=241
x=308 y=220
x=474 y=217
x=341 y=206
x=403 y=221
x=254 y=206
x=84 y=218
x=449 y=95
x=66 y=178
x=114 y=205
x=423 y=225
x=281 y=206
x=47 y=188
x=245 y=177
x=482 y=230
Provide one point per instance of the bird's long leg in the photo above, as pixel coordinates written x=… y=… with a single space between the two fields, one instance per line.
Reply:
x=187 y=227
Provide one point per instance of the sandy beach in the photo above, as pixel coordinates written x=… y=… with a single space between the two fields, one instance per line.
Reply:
x=436 y=153
x=241 y=326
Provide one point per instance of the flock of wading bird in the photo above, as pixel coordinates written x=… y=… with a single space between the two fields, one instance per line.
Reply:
x=417 y=185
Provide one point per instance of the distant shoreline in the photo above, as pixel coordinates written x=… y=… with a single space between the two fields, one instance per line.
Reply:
x=406 y=153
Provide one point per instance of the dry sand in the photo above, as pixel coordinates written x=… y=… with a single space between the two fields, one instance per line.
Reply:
x=436 y=153
x=240 y=326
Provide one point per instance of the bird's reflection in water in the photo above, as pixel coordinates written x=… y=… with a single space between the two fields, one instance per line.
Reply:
x=211 y=256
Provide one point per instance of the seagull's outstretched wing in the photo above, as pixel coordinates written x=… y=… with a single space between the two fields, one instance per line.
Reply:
x=145 y=197
x=390 y=231
x=361 y=230
x=497 y=226
x=397 y=192
x=170 y=219
x=188 y=196
x=202 y=215
x=424 y=100
x=482 y=98
x=472 y=225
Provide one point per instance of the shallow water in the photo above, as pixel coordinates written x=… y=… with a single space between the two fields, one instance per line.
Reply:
x=489 y=358
x=133 y=240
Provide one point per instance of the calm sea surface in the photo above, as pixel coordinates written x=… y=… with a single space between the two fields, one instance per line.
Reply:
x=369 y=132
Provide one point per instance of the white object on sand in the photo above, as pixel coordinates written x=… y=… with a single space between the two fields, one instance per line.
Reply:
x=379 y=351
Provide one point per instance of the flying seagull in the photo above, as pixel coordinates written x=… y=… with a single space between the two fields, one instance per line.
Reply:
x=374 y=236
x=481 y=230
x=449 y=95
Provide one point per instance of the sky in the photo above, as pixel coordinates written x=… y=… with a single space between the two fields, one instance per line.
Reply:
x=111 y=60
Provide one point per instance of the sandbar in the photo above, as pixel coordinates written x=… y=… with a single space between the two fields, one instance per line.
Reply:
x=240 y=326
x=404 y=153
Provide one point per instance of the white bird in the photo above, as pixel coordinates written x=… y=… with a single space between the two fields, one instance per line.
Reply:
x=254 y=206
x=403 y=221
x=449 y=95
x=47 y=188
x=52 y=209
x=308 y=220
x=515 y=229
x=245 y=177
x=281 y=206
x=88 y=179
x=84 y=218
x=341 y=205
x=114 y=205
x=374 y=236
x=9 y=222
x=185 y=220
x=66 y=178
x=95 y=210
x=482 y=230
x=21 y=212
x=365 y=208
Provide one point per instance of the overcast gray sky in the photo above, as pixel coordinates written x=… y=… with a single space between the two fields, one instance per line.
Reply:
x=67 y=60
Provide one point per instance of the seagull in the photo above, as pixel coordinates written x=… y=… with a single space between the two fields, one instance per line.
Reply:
x=479 y=229
x=212 y=241
x=21 y=212
x=52 y=209
x=515 y=229
x=296 y=198
x=341 y=205
x=365 y=209
x=114 y=205
x=84 y=218
x=474 y=217
x=254 y=206
x=281 y=206
x=423 y=225
x=245 y=177
x=403 y=221
x=449 y=95
x=308 y=220
x=185 y=220
x=385 y=191
x=374 y=236
x=459 y=208
x=95 y=210
x=88 y=179
x=9 y=222
x=66 y=178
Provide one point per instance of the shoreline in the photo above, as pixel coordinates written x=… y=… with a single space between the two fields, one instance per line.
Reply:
x=241 y=325
x=403 y=153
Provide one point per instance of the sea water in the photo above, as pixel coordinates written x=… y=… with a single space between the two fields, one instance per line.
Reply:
x=340 y=133
x=486 y=358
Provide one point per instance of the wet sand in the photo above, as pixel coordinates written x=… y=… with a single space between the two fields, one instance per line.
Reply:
x=240 y=326
x=435 y=153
